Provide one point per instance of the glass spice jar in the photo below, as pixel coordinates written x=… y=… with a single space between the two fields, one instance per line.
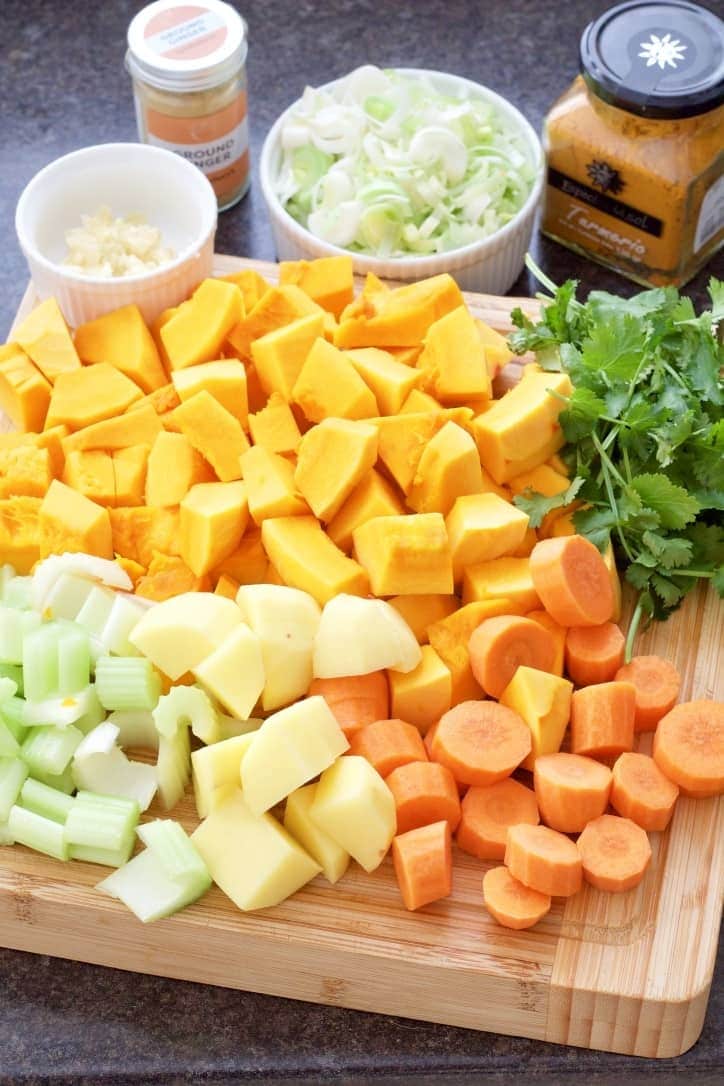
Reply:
x=635 y=147
x=188 y=66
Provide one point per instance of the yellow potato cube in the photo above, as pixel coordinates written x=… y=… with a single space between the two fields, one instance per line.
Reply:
x=129 y=474
x=252 y=859
x=45 y=338
x=331 y=857
x=372 y=497
x=215 y=770
x=137 y=427
x=271 y=490
x=24 y=391
x=305 y=557
x=407 y=555
x=481 y=527
x=419 y=402
x=174 y=466
x=334 y=457
x=329 y=386
x=275 y=428
x=20 y=532
x=234 y=672
x=276 y=307
x=421 y=696
x=354 y=806
x=399 y=317
x=449 y=638
x=177 y=634
x=213 y=519
x=452 y=361
x=196 y=331
x=123 y=339
x=24 y=470
x=328 y=280
x=90 y=472
x=214 y=433
x=279 y=355
x=390 y=381
x=521 y=430
x=224 y=379
x=544 y=703
x=448 y=468
x=501 y=578
x=69 y=521
x=422 y=611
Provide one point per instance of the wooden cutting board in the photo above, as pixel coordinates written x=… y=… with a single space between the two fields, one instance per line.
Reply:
x=626 y=973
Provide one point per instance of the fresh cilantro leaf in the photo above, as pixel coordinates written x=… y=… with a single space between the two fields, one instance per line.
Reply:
x=718 y=581
x=537 y=506
x=671 y=552
x=614 y=348
x=581 y=414
x=673 y=505
x=664 y=587
x=716 y=293
x=596 y=525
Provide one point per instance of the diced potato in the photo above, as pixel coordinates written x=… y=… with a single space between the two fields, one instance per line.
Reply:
x=481 y=527
x=544 y=703
x=331 y=857
x=179 y=633
x=215 y=771
x=234 y=671
x=354 y=806
x=405 y=555
x=357 y=636
x=421 y=696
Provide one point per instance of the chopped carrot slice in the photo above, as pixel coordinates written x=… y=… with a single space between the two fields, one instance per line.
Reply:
x=481 y=742
x=424 y=792
x=657 y=685
x=615 y=853
x=559 y=638
x=499 y=646
x=571 y=578
x=689 y=747
x=571 y=790
x=387 y=744
x=510 y=902
x=641 y=792
x=602 y=719
x=423 y=864
x=355 y=700
x=487 y=812
x=594 y=653
x=544 y=859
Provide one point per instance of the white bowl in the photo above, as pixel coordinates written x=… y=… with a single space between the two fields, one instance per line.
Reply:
x=130 y=178
x=489 y=266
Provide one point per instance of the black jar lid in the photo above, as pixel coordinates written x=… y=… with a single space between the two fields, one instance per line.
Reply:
x=662 y=59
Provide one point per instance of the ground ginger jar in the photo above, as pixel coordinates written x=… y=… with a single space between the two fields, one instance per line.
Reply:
x=188 y=65
x=635 y=147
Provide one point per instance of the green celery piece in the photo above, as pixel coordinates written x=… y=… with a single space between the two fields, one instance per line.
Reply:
x=73 y=661
x=145 y=887
x=174 y=850
x=60 y=710
x=49 y=749
x=40 y=662
x=127 y=682
x=94 y=613
x=17 y=593
x=13 y=773
x=46 y=801
x=9 y=746
x=12 y=714
x=108 y=857
x=36 y=832
x=187 y=705
x=15 y=626
x=14 y=672
x=62 y=782
x=101 y=829
x=173 y=766
x=93 y=716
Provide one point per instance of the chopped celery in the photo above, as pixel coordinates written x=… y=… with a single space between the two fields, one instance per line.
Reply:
x=44 y=800
x=100 y=766
x=18 y=593
x=63 y=782
x=96 y=610
x=101 y=829
x=146 y=888
x=174 y=849
x=13 y=772
x=173 y=766
x=127 y=682
x=66 y=597
x=73 y=661
x=14 y=628
x=187 y=705
x=94 y=713
x=40 y=662
x=14 y=672
x=60 y=711
x=50 y=570
x=125 y=613
x=11 y=713
x=136 y=729
x=41 y=834
x=9 y=746
x=49 y=749
x=8 y=689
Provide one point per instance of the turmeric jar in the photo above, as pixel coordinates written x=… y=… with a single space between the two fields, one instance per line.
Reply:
x=188 y=65
x=635 y=147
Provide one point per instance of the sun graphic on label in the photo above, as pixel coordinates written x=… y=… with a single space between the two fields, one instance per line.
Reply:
x=662 y=51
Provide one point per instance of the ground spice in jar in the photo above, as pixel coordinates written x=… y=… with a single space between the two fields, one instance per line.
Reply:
x=188 y=65
x=635 y=147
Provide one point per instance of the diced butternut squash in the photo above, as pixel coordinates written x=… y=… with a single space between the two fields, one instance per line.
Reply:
x=270 y=485
x=508 y=578
x=421 y=611
x=421 y=696
x=334 y=457
x=138 y=427
x=307 y=558
x=224 y=379
x=279 y=355
x=163 y=400
x=141 y=530
x=448 y=468
x=134 y=569
x=167 y=576
x=214 y=433
x=399 y=317
x=252 y=285
x=45 y=338
x=196 y=331
x=405 y=555
x=373 y=496
x=328 y=385
x=226 y=586
x=20 y=532
x=129 y=474
x=452 y=361
x=213 y=519
x=481 y=527
x=69 y=521
x=123 y=339
x=543 y=480
x=24 y=391
x=328 y=280
x=82 y=397
x=248 y=563
x=526 y=544
x=544 y=703
x=390 y=381
x=275 y=428
x=24 y=470
x=521 y=430
x=276 y=307
x=408 y=356
x=90 y=472
x=174 y=466
x=419 y=402
x=497 y=351
x=450 y=636
x=403 y=439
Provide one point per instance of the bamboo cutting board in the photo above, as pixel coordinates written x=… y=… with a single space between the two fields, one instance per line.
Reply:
x=625 y=973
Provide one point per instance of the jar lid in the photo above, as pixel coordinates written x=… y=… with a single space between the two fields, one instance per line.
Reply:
x=181 y=46
x=659 y=60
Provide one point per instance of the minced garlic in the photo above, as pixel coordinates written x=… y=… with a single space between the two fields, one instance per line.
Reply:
x=110 y=247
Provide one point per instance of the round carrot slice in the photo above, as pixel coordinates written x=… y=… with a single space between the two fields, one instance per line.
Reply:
x=571 y=790
x=641 y=792
x=424 y=792
x=480 y=742
x=486 y=814
x=615 y=853
x=594 y=653
x=657 y=684
x=572 y=581
x=689 y=747
x=510 y=902
x=499 y=646
x=544 y=859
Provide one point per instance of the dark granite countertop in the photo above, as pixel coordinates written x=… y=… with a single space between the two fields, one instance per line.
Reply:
x=63 y=86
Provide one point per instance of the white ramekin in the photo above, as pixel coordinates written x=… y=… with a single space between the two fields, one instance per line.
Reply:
x=129 y=178
x=490 y=266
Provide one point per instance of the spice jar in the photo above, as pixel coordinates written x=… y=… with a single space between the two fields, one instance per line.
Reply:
x=188 y=65
x=635 y=147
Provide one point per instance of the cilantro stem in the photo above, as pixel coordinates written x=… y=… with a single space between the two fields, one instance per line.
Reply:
x=539 y=274
x=633 y=629
x=605 y=458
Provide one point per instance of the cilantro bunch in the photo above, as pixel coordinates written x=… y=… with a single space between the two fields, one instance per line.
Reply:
x=644 y=430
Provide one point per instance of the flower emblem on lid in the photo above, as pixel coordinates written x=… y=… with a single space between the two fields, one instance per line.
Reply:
x=664 y=51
